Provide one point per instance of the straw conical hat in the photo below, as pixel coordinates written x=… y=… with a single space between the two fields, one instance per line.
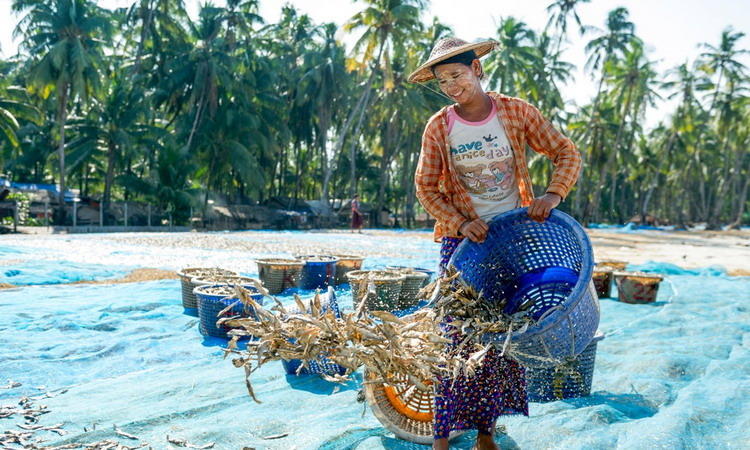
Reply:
x=447 y=48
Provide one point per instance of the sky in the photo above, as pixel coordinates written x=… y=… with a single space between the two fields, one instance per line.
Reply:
x=671 y=29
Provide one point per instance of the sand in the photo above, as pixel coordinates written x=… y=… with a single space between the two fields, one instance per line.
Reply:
x=158 y=255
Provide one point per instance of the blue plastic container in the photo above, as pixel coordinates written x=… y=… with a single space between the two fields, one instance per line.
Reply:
x=321 y=365
x=574 y=378
x=210 y=305
x=543 y=268
x=319 y=272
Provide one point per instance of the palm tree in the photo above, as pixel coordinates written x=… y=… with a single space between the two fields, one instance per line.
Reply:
x=325 y=83
x=508 y=67
x=65 y=36
x=386 y=25
x=724 y=109
x=722 y=60
x=608 y=46
x=559 y=13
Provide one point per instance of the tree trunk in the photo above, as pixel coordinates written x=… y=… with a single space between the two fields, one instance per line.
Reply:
x=326 y=166
x=353 y=146
x=741 y=207
x=62 y=117
x=108 y=180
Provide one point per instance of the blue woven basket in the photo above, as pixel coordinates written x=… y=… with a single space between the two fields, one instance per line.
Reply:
x=210 y=305
x=319 y=272
x=575 y=377
x=321 y=365
x=543 y=268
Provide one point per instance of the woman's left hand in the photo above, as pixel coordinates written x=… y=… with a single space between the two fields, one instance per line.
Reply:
x=542 y=206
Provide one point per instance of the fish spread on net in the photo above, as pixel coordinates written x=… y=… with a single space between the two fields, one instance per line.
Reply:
x=415 y=346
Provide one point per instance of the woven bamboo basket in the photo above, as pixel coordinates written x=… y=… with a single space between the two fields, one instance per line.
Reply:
x=602 y=278
x=410 y=287
x=278 y=274
x=637 y=287
x=427 y=272
x=186 y=275
x=387 y=288
x=613 y=264
x=603 y=275
x=345 y=264
x=226 y=281
x=403 y=408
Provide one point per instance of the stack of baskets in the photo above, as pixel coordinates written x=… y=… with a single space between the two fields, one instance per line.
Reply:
x=345 y=264
x=387 y=288
x=215 y=298
x=604 y=276
x=278 y=274
x=188 y=274
x=637 y=287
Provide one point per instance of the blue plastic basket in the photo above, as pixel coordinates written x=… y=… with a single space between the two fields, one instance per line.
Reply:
x=209 y=307
x=545 y=268
x=319 y=272
x=321 y=365
x=575 y=377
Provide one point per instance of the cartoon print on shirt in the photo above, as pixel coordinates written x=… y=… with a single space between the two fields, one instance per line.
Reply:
x=473 y=178
x=502 y=173
x=489 y=138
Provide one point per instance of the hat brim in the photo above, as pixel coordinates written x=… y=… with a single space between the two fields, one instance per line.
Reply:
x=424 y=72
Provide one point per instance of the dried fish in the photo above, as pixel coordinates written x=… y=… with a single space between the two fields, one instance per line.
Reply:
x=119 y=432
x=11 y=384
x=445 y=340
x=184 y=443
x=276 y=436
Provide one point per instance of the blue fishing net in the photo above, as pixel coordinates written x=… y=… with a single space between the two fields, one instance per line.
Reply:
x=669 y=375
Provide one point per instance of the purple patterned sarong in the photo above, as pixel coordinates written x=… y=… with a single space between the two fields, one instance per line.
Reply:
x=497 y=388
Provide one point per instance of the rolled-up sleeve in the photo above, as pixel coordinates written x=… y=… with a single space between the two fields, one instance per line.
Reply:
x=544 y=138
x=427 y=180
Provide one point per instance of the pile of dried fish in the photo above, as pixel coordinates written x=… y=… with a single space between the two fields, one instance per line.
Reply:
x=27 y=437
x=420 y=346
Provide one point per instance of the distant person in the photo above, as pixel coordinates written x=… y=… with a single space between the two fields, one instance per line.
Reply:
x=357 y=217
x=472 y=167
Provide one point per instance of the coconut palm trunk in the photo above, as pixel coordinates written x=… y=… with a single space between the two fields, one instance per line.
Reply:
x=62 y=101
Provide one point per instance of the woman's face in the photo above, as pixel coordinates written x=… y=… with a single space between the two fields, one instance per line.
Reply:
x=458 y=81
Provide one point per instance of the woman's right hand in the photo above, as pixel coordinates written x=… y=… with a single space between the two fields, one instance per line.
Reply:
x=476 y=230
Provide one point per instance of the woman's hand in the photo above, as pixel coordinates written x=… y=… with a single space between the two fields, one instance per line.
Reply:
x=542 y=206
x=476 y=230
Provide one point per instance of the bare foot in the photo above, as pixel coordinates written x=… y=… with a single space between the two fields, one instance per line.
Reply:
x=486 y=442
x=440 y=444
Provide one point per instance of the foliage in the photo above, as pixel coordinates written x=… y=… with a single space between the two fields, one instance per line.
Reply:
x=146 y=103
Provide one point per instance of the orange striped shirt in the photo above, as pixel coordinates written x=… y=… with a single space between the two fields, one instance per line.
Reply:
x=445 y=198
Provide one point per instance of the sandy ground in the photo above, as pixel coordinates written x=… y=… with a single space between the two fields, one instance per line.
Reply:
x=687 y=249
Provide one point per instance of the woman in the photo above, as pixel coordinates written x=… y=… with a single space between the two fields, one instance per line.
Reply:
x=357 y=217
x=472 y=167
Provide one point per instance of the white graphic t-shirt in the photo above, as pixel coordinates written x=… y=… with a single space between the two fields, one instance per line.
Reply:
x=484 y=161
